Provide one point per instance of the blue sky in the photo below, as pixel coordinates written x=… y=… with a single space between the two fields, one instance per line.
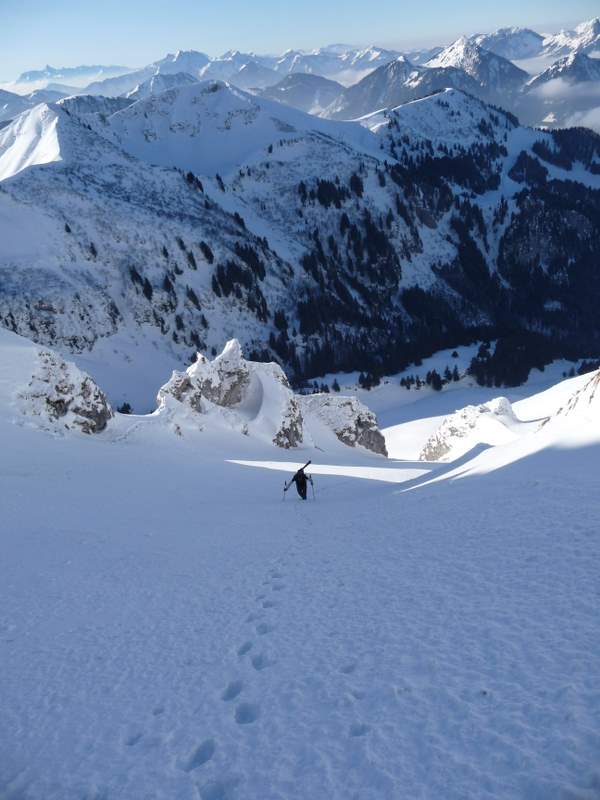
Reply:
x=68 y=32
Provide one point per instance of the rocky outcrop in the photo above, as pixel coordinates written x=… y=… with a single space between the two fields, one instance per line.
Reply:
x=352 y=422
x=257 y=397
x=461 y=425
x=62 y=397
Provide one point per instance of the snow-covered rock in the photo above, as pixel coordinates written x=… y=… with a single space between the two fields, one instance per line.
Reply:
x=489 y=423
x=352 y=422
x=61 y=397
x=251 y=397
x=256 y=399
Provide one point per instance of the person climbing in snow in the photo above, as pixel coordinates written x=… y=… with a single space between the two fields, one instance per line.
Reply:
x=301 y=480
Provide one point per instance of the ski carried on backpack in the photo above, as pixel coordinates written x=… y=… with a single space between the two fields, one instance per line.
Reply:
x=287 y=485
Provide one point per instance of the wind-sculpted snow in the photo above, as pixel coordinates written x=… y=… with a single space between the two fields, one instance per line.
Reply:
x=256 y=399
x=252 y=398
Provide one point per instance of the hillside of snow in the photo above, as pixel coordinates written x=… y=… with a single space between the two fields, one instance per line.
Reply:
x=171 y=628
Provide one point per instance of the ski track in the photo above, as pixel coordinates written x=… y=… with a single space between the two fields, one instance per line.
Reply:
x=371 y=644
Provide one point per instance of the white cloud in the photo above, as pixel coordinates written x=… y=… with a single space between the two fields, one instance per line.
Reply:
x=589 y=119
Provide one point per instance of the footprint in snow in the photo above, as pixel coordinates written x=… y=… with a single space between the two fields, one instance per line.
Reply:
x=199 y=755
x=278 y=587
x=245 y=648
x=359 y=729
x=348 y=669
x=269 y=604
x=260 y=662
x=219 y=790
x=232 y=691
x=131 y=741
x=246 y=713
x=263 y=629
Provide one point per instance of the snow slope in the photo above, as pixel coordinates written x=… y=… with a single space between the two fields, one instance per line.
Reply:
x=171 y=629
x=31 y=139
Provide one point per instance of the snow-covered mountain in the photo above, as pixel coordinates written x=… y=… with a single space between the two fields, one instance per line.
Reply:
x=585 y=38
x=79 y=76
x=11 y=104
x=212 y=127
x=514 y=44
x=396 y=83
x=487 y=59
x=120 y=238
x=191 y=62
x=253 y=75
x=160 y=82
x=343 y=63
x=496 y=75
x=565 y=94
x=310 y=93
x=575 y=68
x=120 y=84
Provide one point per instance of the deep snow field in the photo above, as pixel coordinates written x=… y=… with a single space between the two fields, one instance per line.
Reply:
x=171 y=629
